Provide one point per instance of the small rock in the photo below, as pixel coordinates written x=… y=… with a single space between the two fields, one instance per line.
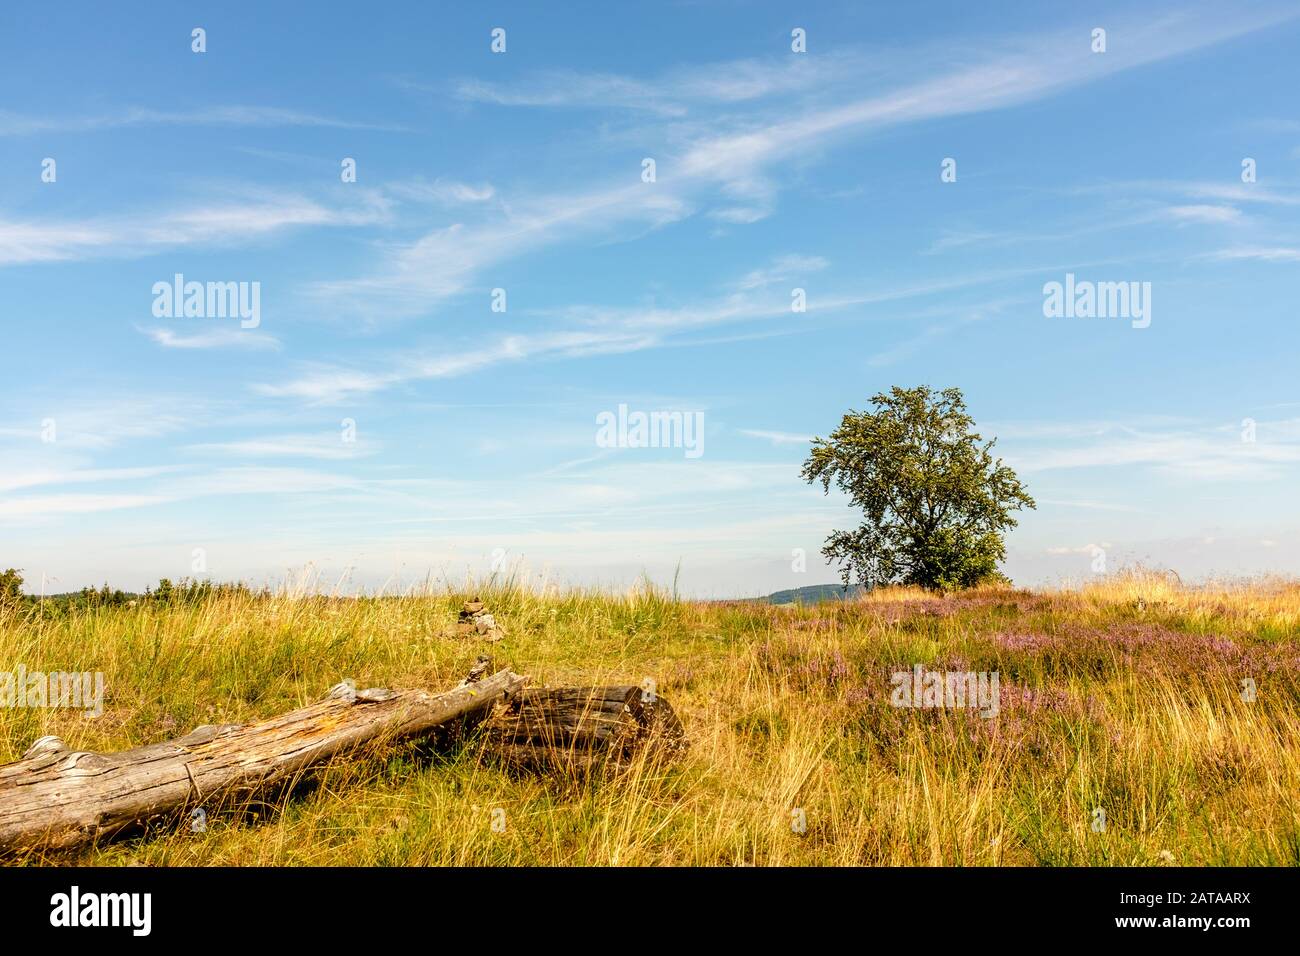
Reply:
x=474 y=619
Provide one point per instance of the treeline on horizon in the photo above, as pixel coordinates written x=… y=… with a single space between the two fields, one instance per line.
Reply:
x=184 y=591
x=188 y=591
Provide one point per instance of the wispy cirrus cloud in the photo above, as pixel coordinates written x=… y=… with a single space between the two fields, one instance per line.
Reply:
x=50 y=505
x=98 y=424
x=1215 y=192
x=784 y=268
x=727 y=173
x=1203 y=212
x=675 y=93
x=1082 y=549
x=14 y=480
x=18 y=124
x=443 y=191
x=254 y=480
x=777 y=438
x=931 y=333
x=214 y=337
x=1088 y=505
x=330 y=447
x=1201 y=453
x=1258 y=254
x=1021 y=71
x=145 y=233
x=1238 y=192
x=442 y=262
x=606 y=330
x=328 y=384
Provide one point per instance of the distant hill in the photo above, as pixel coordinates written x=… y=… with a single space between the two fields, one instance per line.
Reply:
x=813 y=593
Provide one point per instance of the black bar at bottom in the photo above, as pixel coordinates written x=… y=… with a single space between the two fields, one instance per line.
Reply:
x=521 y=905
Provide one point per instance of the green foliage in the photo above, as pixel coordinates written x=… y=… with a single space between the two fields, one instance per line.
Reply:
x=187 y=591
x=103 y=597
x=11 y=587
x=936 y=502
x=182 y=592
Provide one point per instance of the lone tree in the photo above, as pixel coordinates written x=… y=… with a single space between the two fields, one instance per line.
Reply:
x=937 y=503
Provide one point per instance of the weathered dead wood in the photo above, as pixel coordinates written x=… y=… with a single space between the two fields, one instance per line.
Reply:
x=58 y=798
x=576 y=728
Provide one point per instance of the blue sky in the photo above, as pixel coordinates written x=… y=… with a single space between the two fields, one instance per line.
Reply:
x=134 y=446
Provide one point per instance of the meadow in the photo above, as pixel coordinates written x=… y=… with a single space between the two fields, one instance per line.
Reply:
x=1174 y=710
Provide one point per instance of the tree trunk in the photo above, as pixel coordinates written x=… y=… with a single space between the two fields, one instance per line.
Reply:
x=57 y=798
x=574 y=728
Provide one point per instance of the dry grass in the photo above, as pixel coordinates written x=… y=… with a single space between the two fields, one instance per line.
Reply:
x=1124 y=695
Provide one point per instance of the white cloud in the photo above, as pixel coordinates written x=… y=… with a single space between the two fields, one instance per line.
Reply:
x=101 y=424
x=443 y=191
x=607 y=330
x=1237 y=192
x=1259 y=254
x=675 y=93
x=1208 y=453
x=36 y=478
x=777 y=438
x=145 y=233
x=785 y=268
x=442 y=262
x=1088 y=505
x=417 y=276
x=1204 y=213
x=331 y=384
x=1084 y=549
x=1023 y=72
x=329 y=447
x=48 y=505
x=213 y=337
x=16 y=124
x=740 y=215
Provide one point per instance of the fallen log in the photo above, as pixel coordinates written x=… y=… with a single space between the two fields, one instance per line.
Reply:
x=57 y=798
x=576 y=728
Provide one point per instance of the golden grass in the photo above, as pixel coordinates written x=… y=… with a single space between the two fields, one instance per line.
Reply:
x=1123 y=695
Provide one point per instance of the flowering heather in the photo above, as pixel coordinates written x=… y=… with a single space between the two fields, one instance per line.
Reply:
x=1030 y=701
x=1153 y=647
x=1025 y=642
